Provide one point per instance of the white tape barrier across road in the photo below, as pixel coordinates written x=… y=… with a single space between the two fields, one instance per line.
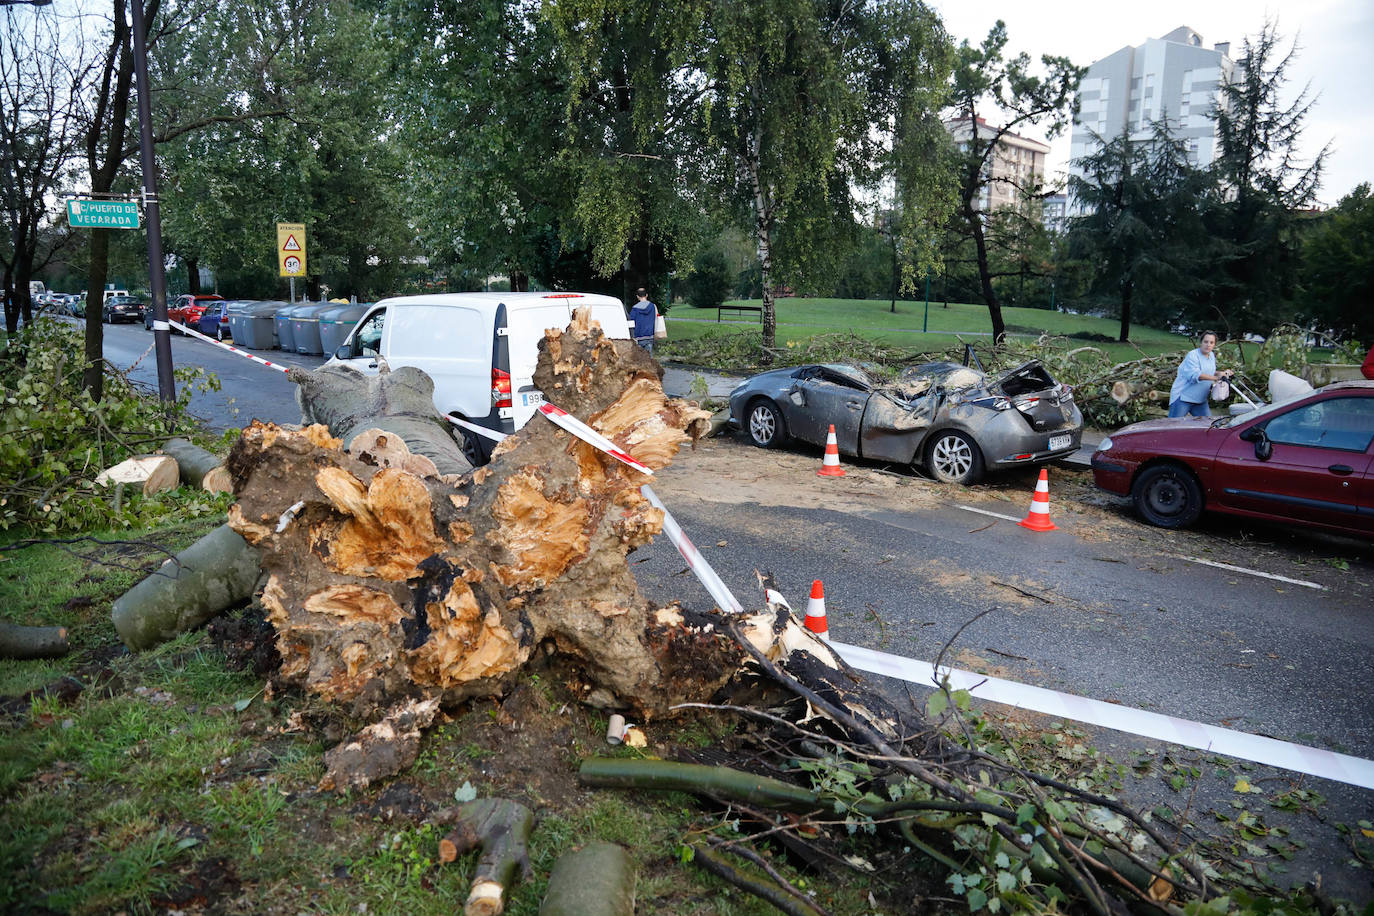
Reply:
x=1213 y=738
x=1269 y=751
x=224 y=346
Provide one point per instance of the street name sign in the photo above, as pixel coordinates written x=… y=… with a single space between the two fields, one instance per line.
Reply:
x=84 y=213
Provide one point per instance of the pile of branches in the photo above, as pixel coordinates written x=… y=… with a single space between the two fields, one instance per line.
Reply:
x=55 y=439
x=831 y=760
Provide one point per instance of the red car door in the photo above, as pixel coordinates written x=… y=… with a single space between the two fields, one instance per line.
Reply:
x=1317 y=470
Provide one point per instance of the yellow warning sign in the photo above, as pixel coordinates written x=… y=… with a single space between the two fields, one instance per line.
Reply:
x=291 y=249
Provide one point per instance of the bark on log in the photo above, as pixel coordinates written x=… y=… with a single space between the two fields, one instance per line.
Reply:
x=596 y=880
x=198 y=467
x=21 y=642
x=401 y=402
x=383 y=581
x=501 y=829
x=215 y=573
x=153 y=473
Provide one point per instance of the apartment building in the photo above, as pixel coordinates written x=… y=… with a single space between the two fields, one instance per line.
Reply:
x=1174 y=76
x=1015 y=166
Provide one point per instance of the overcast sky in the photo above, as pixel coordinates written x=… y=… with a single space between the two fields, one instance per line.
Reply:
x=1335 y=46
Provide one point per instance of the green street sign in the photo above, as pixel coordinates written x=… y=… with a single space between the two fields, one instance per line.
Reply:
x=102 y=214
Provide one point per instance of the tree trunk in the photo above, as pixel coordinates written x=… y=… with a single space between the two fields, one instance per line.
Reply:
x=1126 y=289
x=596 y=880
x=213 y=574
x=980 y=244
x=153 y=473
x=93 y=375
x=20 y=642
x=389 y=581
x=198 y=467
x=193 y=276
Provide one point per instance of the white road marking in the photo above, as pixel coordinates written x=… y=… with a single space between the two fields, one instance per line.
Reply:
x=1213 y=738
x=1010 y=518
x=1251 y=572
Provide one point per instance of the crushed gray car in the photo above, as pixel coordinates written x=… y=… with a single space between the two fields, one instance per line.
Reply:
x=952 y=420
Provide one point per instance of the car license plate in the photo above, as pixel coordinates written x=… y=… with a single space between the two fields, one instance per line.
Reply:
x=531 y=398
x=1058 y=442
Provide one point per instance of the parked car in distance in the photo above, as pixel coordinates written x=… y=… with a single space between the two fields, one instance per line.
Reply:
x=185 y=309
x=214 y=320
x=1304 y=461
x=954 y=420
x=123 y=308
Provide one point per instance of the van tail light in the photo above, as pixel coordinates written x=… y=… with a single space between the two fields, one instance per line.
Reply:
x=500 y=388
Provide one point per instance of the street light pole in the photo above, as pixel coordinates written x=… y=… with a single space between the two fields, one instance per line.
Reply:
x=157 y=280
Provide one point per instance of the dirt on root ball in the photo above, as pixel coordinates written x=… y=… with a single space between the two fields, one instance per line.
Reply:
x=248 y=641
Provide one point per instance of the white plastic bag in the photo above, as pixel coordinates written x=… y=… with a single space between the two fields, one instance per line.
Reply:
x=660 y=327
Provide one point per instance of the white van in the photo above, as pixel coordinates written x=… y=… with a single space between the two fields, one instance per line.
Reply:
x=111 y=293
x=479 y=348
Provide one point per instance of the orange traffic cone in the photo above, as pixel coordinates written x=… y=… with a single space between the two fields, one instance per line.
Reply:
x=815 y=611
x=1038 y=518
x=830 y=465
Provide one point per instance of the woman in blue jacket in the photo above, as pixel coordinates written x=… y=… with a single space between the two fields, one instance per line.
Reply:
x=1195 y=377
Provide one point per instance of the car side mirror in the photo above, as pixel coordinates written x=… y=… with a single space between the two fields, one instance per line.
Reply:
x=344 y=352
x=796 y=396
x=1264 y=448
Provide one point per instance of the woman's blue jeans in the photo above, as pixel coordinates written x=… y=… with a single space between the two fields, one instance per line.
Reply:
x=1182 y=408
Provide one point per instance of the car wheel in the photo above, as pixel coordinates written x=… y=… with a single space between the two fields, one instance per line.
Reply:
x=219 y=333
x=476 y=449
x=1167 y=495
x=765 y=425
x=954 y=458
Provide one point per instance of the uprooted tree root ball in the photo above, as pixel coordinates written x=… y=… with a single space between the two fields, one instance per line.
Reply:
x=388 y=580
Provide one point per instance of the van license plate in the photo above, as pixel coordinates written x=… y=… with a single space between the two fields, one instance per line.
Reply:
x=1058 y=442
x=531 y=398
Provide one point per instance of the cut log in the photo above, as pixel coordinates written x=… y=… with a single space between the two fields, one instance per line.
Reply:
x=214 y=574
x=199 y=468
x=153 y=473
x=388 y=582
x=596 y=880
x=21 y=642
x=501 y=829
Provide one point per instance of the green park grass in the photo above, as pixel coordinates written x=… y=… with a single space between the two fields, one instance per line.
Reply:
x=937 y=327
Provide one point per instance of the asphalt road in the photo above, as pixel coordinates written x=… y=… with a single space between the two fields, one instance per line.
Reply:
x=1115 y=614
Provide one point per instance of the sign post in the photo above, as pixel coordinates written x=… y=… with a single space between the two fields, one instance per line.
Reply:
x=291 y=252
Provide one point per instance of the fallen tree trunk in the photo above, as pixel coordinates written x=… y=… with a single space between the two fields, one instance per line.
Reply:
x=501 y=829
x=215 y=573
x=21 y=642
x=401 y=403
x=386 y=578
x=198 y=467
x=596 y=880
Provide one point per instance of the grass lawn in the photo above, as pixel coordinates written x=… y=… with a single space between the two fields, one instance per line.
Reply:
x=800 y=319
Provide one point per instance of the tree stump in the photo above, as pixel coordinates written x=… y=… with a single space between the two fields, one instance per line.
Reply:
x=386 y=582
x=198 y=467
x=152 y=473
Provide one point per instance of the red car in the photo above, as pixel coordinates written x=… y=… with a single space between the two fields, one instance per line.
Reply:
x=186 y=309
x=1304 y=461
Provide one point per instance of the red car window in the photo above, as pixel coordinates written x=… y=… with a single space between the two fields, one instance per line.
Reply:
x=1338 y=423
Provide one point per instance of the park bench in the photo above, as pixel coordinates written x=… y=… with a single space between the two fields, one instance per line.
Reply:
x=739 y=310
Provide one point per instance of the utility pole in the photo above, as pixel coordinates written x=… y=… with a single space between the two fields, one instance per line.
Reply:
x=157 y=279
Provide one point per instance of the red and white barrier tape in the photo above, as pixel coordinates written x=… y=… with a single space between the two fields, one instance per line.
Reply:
x=584 y=432
x=492 y=434
x=724 y=599
x=1213 y=738
x=224 y=346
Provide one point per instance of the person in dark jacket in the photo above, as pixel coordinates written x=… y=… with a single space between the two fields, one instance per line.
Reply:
x=1367 y=370
x=643 y=315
